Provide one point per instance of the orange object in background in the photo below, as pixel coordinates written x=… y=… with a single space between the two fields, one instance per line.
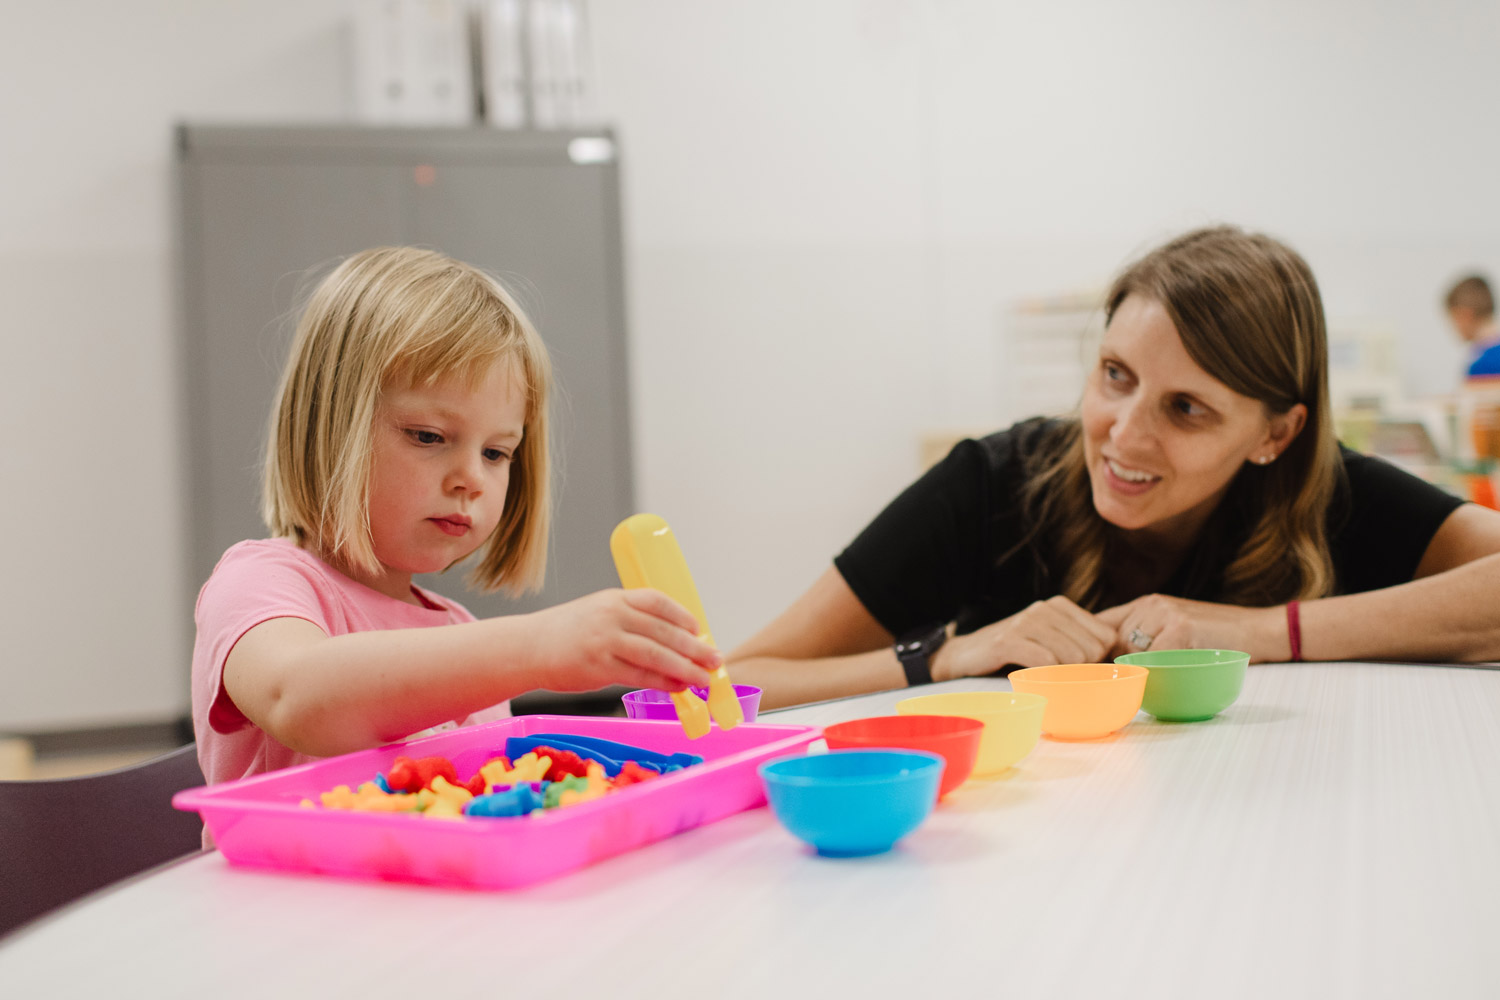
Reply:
x=1481 y=490
x=1484 y=430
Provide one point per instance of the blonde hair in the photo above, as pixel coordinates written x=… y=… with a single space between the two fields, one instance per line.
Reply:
x=1249 y=313
x=400 y=315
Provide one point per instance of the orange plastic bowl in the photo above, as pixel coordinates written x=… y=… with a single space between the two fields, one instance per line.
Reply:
x=1085 y=701
x=953 y=737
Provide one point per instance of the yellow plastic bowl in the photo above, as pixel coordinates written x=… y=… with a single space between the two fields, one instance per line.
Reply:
x=1012 y=722
x=1085 y=701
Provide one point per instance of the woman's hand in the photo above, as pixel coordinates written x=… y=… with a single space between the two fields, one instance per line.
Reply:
x=641 y=638
x=1175 y=623
x=1052 y=631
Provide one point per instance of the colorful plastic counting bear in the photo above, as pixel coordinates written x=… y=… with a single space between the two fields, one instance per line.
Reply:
x=518 y=800
x=530 y=767
x=595 y=784
x=409 y=775
x=572 y=786
x=564 y=763
x=369 y=798
x=632 y=774
x=444 y=800
x=544 y=776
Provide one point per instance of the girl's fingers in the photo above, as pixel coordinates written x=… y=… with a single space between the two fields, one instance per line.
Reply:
x=641 y=652
x=659 y=605
x=635 y=677
x=680 y=641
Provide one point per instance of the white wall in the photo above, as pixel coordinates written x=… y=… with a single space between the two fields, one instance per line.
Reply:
x=828 y=207
x=831 y=205
x=96 y=607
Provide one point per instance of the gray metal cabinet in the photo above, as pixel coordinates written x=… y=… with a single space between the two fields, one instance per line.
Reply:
x=261 y=207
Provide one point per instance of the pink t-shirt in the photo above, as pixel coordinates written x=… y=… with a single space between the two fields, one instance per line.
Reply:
x=254 y=582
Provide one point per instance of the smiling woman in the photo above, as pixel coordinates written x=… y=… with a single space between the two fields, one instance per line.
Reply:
x=1198 y=498
x=1213 y=367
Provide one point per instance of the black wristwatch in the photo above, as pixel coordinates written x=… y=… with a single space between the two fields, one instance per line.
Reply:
x=915 y=650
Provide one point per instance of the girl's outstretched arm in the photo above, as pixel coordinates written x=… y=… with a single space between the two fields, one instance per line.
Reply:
x=326 y=695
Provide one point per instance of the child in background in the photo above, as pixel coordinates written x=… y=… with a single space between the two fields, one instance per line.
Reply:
x=1471 y=310
x=410 y=433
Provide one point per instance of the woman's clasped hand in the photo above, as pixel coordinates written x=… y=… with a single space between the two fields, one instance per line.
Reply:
x=1056 y=630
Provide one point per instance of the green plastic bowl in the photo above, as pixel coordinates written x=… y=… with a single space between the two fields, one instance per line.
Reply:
x=1190 y=685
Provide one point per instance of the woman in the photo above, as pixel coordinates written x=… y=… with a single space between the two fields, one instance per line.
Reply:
x=1198 y=498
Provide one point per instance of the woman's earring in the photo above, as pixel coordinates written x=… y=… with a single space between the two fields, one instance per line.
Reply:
x=1264 y=459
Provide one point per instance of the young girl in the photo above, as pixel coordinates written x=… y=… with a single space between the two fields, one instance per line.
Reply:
x=1198 y=498
x=410 y=433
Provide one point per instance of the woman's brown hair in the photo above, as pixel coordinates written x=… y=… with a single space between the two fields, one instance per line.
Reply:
x=1249 y=313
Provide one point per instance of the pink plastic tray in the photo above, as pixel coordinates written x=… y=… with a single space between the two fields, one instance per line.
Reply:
x=259 y=821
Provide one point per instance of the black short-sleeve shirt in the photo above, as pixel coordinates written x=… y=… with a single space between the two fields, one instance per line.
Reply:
x=948 y=548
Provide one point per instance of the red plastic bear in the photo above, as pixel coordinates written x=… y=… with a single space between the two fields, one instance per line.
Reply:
x=409 y=775
x=632 y=773
x=564 y=763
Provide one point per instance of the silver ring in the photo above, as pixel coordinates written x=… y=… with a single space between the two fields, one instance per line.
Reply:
x=1140 y=640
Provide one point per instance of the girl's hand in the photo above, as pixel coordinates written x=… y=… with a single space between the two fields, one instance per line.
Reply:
x=1176 y=623
x=640 y=638
x=1052 y=631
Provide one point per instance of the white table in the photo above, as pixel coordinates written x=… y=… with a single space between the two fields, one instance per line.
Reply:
x=1335 y=833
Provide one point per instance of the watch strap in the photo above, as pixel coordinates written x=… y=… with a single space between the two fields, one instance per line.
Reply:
x=915 y=650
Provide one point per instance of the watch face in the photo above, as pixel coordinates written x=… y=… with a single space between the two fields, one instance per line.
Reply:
x=910 y=645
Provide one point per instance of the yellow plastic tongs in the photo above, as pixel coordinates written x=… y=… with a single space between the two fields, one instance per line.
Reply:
x=647 y=555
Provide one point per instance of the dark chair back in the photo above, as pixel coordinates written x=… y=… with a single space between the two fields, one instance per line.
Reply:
x=63 y=838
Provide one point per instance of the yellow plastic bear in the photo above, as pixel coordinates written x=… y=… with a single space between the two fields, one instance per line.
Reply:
x=447 y=799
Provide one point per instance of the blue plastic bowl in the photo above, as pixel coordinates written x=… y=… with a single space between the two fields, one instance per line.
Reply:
x=851 y=802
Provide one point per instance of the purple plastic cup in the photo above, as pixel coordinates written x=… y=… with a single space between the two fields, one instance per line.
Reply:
x=649 y=703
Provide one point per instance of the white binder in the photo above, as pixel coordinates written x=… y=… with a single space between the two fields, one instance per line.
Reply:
x=412 y=62
x=502 y=48
x=541 y=58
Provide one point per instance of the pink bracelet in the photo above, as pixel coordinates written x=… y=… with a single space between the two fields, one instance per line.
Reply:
x=1294 y=630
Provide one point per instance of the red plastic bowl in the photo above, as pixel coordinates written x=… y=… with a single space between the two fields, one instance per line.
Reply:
x=954 y=737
